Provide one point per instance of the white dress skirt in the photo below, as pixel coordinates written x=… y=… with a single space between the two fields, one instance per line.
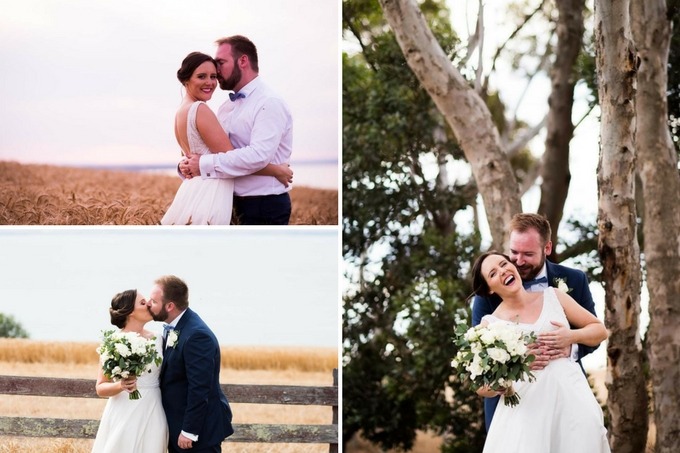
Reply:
x=200 y=201
x=135 y=425
x=557 y=412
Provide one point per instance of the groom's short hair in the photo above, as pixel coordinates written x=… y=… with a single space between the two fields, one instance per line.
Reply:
x=240 y=45
x=526 y=221
x=174 y=290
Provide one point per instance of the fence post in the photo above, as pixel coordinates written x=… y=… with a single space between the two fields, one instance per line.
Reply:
x=334 y=447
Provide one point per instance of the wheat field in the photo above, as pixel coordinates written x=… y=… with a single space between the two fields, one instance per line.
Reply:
x=256 y=365
x=49 y=195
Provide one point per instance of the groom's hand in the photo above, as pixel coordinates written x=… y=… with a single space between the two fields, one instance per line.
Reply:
x=184 y=442
x=190 y=167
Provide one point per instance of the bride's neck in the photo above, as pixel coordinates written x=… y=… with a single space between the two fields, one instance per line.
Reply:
x=133 y=326
x=518 y=300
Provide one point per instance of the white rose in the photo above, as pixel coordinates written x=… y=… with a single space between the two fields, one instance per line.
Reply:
x=562 y=286
x=488 y=336
x=475 y=368
x=476 y=348
x=122 y=349
x=471 y=334
x=172 y=338
x=499 y=355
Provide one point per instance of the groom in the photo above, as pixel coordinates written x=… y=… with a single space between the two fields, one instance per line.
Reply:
x=198 y=413
x=260 y=126
x=529 y=245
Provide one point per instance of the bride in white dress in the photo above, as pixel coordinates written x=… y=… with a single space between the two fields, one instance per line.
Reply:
x=132 y=425
x=201 y=201
x=557 y=412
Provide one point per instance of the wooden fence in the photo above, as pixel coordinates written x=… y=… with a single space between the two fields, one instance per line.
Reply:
x=253 y=394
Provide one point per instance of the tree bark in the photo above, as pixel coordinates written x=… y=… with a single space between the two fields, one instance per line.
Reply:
x=617 y=220
x=555 y=167
x=465 y=112
x=657 y=166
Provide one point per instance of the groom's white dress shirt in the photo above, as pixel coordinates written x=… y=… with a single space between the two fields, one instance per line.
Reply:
x=540 y=287
x=260 y=127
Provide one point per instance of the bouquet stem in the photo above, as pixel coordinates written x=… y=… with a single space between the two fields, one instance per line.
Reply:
x=511 y=398
x=135 y=395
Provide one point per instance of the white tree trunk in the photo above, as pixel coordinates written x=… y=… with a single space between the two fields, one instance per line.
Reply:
x=617 y=220
x=464 y=110
x=657 y=166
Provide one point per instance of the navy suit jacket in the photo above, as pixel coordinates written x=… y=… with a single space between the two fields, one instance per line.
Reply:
x=575 y=279
x=192 y=398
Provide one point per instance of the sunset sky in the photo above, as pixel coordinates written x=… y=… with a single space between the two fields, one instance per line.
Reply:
x=95 y=82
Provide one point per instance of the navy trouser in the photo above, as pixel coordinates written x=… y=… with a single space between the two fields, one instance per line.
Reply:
x=263 y=209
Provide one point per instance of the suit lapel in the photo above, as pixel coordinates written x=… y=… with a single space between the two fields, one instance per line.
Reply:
x=167 y=352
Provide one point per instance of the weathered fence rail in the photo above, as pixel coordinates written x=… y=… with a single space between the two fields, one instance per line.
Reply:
x=252 y=394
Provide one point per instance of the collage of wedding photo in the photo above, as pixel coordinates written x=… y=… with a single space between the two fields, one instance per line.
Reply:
x=322 y=226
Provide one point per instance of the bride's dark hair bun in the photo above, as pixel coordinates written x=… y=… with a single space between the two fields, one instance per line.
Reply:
x=122 y=305
x=190 y=63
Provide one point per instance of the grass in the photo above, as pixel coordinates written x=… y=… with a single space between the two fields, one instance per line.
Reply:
x=49 y=195
x=233 y=357
x=281 y=366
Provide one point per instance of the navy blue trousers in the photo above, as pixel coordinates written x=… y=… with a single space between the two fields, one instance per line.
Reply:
x=263 y=210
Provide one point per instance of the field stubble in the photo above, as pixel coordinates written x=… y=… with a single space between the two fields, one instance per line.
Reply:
x=275 y=366
x=50 y=195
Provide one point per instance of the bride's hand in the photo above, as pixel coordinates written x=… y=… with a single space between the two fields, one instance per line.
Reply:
x=129 y=384
x=488 y=392
x=541 y=354
x=284 y=174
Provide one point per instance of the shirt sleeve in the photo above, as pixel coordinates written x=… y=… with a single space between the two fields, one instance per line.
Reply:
x=193 y=437
x=271 y=122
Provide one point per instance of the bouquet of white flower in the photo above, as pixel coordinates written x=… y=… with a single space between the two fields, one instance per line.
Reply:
x=126 y=354
x=494 y=356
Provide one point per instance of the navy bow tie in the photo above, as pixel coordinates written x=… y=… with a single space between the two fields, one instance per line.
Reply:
x=167 y=327
x=234 y=96
x=536 y=281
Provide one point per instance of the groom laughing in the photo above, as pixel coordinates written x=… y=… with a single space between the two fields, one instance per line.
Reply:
x=198 y=413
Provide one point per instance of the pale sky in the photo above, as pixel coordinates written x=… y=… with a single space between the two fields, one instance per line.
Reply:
x=265 y=287
x=95 y=81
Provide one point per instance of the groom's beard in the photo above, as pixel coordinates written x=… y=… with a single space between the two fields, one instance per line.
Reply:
x=529 y=272
x=161 y=316
x=232 y=81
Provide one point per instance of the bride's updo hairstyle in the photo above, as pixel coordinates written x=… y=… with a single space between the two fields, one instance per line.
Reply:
x=122 y=305
x=479 y=285
x=190 y=63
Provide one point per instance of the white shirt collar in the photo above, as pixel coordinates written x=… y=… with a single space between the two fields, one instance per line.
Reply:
x=176 y=320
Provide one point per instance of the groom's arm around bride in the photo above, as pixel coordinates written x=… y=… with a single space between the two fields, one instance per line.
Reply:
x=260 y=126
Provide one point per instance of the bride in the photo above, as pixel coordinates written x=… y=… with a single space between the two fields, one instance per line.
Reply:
x=201 y=201
x=558 y=412
x=132 y=425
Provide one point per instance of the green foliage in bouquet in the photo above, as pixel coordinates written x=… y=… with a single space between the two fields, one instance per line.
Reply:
x=127 y=354
x=494 y=356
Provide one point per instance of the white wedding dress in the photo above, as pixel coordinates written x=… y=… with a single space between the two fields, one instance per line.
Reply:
x=558 y=412
x=200 y=201
x=135 y=425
